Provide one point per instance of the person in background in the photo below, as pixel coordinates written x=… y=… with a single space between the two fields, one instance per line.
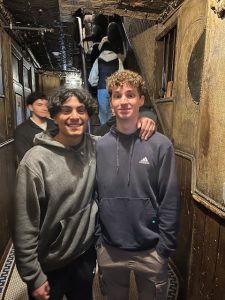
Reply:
x=37 y=122
x=99 y=29
x=106 y=64
x=137 y=196
x=54 y=211
x=115 y=37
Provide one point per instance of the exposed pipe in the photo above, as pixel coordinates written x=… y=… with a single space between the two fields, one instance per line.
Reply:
x=44 y=29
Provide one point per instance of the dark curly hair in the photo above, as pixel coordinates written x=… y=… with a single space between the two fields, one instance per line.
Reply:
x=35 y=96
x=57 y=100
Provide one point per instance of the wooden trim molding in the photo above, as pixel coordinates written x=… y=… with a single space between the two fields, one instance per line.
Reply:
x=211 y=205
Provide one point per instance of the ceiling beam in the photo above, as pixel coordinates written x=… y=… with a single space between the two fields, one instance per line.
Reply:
x=108 y=10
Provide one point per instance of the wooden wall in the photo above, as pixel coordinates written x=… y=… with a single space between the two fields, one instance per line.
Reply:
x=196 y=125
x=11 y=84
x=182 y=255
x=200 y=255
x=7 y=176
x=48 y=82
x=7 y=155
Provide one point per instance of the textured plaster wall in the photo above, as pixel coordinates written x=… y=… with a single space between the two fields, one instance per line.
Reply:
x=196 y=129
x=210 y=150
x=144 y=47
x=191 y=22
x=179 y=118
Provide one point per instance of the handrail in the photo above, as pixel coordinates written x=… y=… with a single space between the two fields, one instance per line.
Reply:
x=84 y=69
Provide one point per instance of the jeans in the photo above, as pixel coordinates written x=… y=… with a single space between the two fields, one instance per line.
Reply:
x=104 y=110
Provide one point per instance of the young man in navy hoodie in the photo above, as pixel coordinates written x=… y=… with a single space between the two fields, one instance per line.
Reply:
x=138 y=198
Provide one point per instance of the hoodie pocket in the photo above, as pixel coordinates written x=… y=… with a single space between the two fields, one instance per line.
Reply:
x=74 y=232
x=59 y=233
x=129 y=223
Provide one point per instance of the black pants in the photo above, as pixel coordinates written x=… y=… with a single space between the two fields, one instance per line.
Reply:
x=74 y=280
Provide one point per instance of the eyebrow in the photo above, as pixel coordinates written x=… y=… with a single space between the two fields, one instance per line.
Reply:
x=66 y=105
x=119 y=92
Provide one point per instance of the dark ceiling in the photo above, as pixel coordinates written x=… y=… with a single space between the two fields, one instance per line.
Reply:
x=50 y=24
x=47 y=34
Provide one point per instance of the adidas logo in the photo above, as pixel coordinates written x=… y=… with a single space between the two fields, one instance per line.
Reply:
x=144 y=161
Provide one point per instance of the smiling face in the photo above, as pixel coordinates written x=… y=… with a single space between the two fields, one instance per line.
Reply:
x=126 y=102
x=72 y=122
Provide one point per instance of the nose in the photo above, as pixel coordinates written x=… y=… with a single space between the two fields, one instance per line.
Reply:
x=74 y=114
x=124 y=99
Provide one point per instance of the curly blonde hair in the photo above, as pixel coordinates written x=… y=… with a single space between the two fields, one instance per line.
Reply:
x=120 y=78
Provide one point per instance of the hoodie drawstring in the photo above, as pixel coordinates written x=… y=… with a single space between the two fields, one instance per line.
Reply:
x=130 y=157
x=130 y=160
x=117 y=154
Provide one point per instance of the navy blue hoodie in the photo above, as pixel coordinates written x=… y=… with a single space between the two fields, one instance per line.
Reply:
x=138 y=195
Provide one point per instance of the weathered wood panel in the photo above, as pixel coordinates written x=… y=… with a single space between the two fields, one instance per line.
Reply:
x=199 y=258
x=197 y=245
x=209 y=257
x=191 y=22
x=49 y=82
x=219 y=278
x=182 y=254
x=211 y=140
x=206 y=280
x=7 y=176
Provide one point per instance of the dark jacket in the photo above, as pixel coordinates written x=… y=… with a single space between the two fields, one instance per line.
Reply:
x=105 y=128
x=138 y=195
x=106 y=64
x=105 y=69
x=24 y=135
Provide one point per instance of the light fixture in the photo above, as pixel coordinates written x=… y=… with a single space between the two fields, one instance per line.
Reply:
x=56 y=53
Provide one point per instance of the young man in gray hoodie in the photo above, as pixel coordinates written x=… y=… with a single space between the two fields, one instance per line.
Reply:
x=54 y=211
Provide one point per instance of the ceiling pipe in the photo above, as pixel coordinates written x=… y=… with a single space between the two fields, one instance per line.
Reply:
x=43 y=29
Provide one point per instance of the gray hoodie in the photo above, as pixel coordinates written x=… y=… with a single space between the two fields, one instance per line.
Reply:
x=54 y=209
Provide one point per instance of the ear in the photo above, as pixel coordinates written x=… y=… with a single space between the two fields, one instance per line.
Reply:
x=30 y=107
x=142 y=100
x=55 y=120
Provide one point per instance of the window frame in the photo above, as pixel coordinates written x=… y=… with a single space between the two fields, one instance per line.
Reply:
x=165 y=62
